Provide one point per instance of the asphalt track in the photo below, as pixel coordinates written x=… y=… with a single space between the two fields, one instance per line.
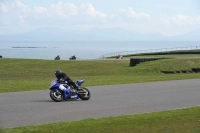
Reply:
x=36 y=107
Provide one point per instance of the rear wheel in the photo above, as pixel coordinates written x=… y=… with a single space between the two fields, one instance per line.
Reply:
x=56 y=96
x=84 y=94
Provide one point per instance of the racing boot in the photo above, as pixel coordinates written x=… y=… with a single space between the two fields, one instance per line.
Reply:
x=77 y=89
x=73 y=91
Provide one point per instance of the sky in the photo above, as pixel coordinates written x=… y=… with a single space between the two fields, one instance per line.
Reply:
x=168 y=17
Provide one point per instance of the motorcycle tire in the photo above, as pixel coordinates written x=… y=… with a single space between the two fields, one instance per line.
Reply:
x=84 y=94
x=57 y=97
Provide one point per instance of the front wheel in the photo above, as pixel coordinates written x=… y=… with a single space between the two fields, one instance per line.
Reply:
x=56 y=96
x=84 y=94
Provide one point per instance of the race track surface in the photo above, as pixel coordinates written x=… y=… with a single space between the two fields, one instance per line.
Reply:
x=36 y=107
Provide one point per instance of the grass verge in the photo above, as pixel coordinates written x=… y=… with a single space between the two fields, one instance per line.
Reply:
x=29 y=74
x=174 y=121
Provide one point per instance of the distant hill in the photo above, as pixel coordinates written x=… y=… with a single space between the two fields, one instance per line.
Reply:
x=109 y=34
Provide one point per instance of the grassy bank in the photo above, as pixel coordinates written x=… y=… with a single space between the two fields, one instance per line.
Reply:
x=29 y=74
x=26 y=74
x=174 y=121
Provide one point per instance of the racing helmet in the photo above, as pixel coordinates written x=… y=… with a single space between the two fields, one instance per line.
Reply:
x=58 y=73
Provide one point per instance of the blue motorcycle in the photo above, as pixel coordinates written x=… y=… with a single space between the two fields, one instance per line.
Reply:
x=58 y=95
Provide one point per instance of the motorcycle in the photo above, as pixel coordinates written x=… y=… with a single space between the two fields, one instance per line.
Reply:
x=58 y=95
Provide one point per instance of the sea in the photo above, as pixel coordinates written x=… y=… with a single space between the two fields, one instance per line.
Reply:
x=85 y=50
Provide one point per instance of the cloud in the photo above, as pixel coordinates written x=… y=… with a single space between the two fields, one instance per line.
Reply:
x=70 y=14
x=179 y=20
x=41 y=10
x=64 y=9
x=85 y=16
x=184 y=20
x=14 y=13
x=130 y=13
x=3 y=7
x=18 y=6
x=13 y=8
x=89 y=10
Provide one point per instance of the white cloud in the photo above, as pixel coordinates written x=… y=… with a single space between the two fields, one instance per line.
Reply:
x=18 y=6
x=41 y=10
x=179 y=20
x=64 y=9
x=85 y=16
x=3 y=7
x=14 y=14
x=130 y=13
x=183 y=20
x=89 y=10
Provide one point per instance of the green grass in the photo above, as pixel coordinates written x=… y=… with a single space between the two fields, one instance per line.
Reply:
x=30 y=74
x=174 y=121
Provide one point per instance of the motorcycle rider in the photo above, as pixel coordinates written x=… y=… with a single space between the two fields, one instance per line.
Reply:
x=62 y=77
